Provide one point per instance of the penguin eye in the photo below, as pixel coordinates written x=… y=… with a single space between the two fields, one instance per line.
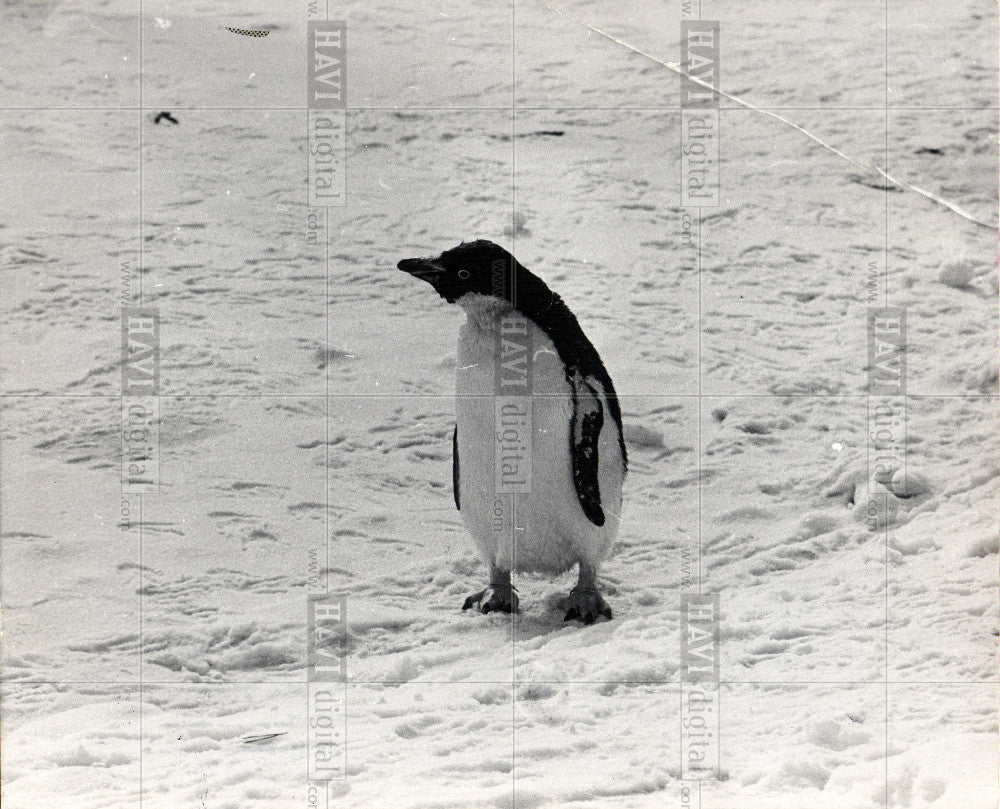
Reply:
x=463 y=274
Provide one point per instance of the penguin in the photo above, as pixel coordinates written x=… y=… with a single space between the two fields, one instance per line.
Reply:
x=538 y=452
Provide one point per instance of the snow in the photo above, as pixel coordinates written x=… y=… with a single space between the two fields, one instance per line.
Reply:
x=858 y=644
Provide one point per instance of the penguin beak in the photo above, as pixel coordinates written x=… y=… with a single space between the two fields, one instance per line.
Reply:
x=423 y=268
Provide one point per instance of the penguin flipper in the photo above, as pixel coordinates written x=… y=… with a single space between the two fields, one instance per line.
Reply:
x=588 y=419
x=454 y=467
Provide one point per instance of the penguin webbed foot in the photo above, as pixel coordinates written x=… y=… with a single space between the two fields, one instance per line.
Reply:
x=586 y=604
x=493 y=599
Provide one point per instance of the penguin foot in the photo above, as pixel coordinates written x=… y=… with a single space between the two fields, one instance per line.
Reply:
x=586 y=604
x=493 y=599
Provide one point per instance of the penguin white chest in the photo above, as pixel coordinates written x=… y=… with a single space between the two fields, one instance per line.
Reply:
x=514 y=411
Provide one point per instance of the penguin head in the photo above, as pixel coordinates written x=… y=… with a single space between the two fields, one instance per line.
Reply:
x=476 y=268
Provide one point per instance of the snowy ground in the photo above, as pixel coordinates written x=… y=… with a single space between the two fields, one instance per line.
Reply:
x=150 y=667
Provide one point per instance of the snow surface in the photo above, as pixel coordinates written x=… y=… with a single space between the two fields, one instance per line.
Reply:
x=167 y=667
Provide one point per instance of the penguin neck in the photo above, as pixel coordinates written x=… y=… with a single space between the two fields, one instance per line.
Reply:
x=484 y=313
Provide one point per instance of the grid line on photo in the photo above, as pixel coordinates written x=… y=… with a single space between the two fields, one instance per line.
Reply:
x=140 y=265
x=326 y=370
x=534 y=681
x=513 y=498
x=522 y=108
x=451 y=397
x=885 y=539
